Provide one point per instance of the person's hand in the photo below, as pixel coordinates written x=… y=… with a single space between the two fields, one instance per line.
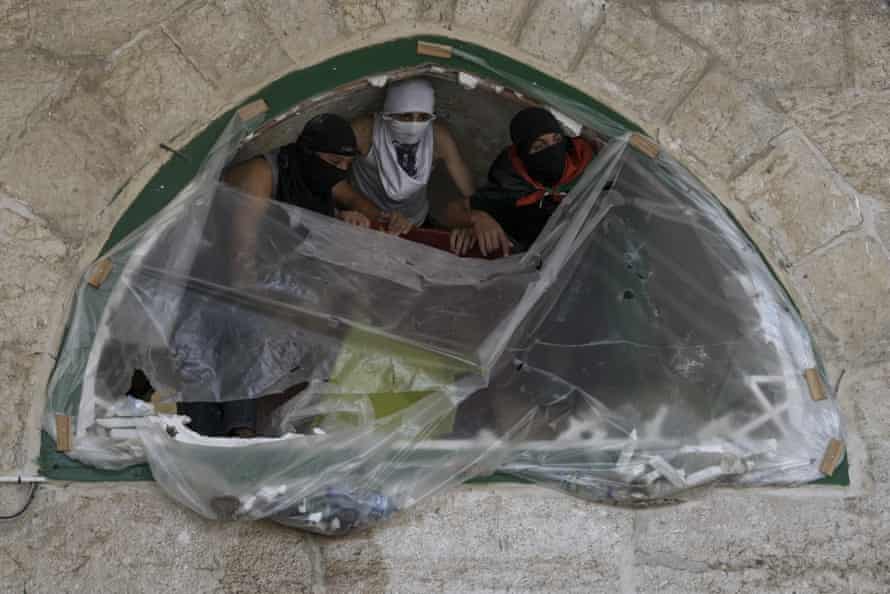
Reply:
x=462 y=240
x=354 y=217
x=395 y=223
x=489 y=233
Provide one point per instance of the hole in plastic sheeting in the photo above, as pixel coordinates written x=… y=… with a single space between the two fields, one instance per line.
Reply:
x=628 y=295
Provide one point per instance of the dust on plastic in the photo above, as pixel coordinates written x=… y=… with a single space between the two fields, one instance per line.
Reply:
x=640 y=348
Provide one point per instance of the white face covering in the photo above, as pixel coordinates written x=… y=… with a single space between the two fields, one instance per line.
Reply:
x=406 y=132
x=408 y=96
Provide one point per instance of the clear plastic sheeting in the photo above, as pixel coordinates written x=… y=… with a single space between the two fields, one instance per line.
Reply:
x=640 y=348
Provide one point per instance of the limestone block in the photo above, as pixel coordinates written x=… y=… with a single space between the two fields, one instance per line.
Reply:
x=734 y=541
x=882 y=225
x=852 y=129
x=33 y=265
x=230 y=43
x=436 y=11
x=501 y=18
x=724 y=123
x=155 y=89
x=868 y=26
x=848 y=287
x=15 y=24
x=302 y=26
x=864 y=395
x=34 y=261
x=641 y=62
x=94 y=27
x=557 y=29
x=73 y=159
x=16 y=368
x=131 y=538
x=28 y=79
x=360 y=15
x=712 y=23
x=526 y=539
x=675 y=576
x=791 y=43
x=793 y=193
x=68 y=165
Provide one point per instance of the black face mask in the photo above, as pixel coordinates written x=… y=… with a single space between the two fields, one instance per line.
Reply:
x=546 y=166
x=319 y=175
x=306 y=181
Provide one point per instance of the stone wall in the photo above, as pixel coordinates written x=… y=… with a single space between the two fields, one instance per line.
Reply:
x=781 y=106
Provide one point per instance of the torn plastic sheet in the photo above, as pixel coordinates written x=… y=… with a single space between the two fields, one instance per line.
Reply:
x=641 y=347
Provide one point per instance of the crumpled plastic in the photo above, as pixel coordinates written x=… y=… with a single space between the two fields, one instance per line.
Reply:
x=640 y=348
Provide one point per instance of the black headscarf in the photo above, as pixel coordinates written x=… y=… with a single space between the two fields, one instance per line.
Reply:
x=545 y=166
x=305 y=179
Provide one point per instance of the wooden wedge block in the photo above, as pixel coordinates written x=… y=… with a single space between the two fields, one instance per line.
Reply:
x=101 y=270
x=645 y=145
x=434 y=50
x=63 y=433
x=252 y=110
x=814 y=382
x=834 y=453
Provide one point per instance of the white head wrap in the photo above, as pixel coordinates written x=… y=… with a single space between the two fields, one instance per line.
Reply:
x=408 y=96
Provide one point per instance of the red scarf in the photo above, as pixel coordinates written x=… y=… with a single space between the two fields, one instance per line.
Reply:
x=579 y=155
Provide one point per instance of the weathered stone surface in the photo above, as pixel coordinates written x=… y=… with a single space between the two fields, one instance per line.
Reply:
x=360 y=15
x=674 y=575
x=34 y=260
x=724 y=123
x=168 y=549
x=848 y=287
x=437 y=11
x=302 y=26
x=882 y=227
x=795 y=195
x=67 y=166
x=156 y=91
x=752 y=542
x=31 y=268
x=16 y=366
x=29 y=78
x=870 y=44
x=865 y=393
x=791 y=43
x=640 y=62
x=71 y=162
x=853 y=131
x=15 y=24
x=229 y=42
x=487 y=539
x=557 y=29
x=265 y=557
x=94 y=27
x=501 y=18
x=712 y=23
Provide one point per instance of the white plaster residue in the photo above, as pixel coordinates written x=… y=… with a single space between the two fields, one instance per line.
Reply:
x=18 y=207
x=184 y=538
x=467 y=81
x=378 y=81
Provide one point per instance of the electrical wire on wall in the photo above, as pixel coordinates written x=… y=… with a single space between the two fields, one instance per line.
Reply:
x=27 y=503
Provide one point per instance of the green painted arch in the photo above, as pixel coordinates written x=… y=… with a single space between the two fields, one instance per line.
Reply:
x=303 y=84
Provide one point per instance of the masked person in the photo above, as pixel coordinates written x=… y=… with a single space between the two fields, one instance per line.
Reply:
x=528 y=179
x=303 y=173
x=399 y=147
